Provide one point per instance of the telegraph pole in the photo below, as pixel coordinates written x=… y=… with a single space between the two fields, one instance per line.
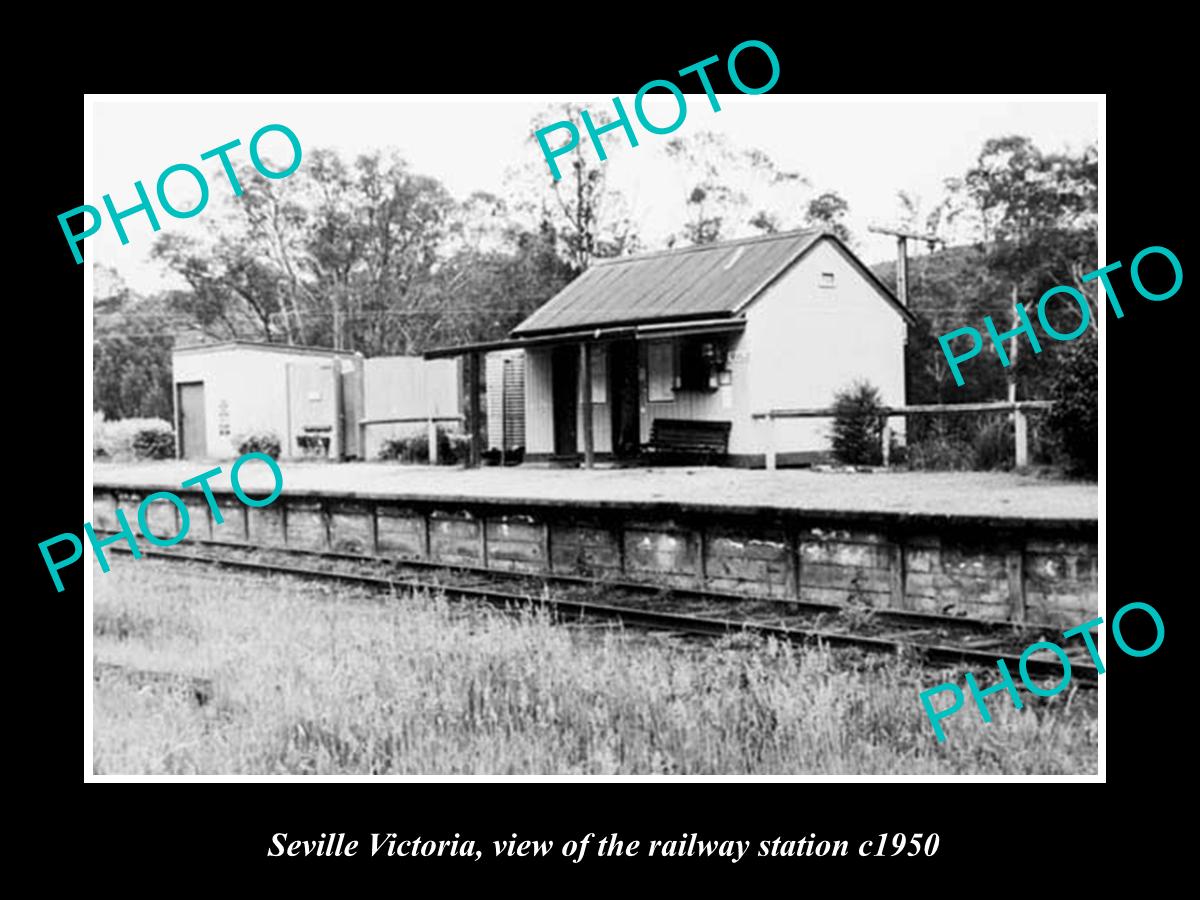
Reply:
x=902 y=239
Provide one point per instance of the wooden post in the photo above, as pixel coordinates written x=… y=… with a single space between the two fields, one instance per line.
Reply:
x=770 y=443
x=286 y=448
x=897 y=574
x=337 y=442
x=474 y=417
x=1013 y=349
x=793 y=541
x=431 y=427
x=1022 y=437
x=589 y=454
x=1015 y=567
x=1011 y=376
x=887 y=442
x=902 y=269
x=362 y=441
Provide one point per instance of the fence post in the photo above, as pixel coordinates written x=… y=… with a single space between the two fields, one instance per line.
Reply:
x=362 y=440
x=433 y=444
x=1022 y=437
x=770 y=442
x=887 y=442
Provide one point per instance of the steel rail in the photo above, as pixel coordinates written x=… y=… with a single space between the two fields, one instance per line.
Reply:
x=653 y=619
x=900 y=617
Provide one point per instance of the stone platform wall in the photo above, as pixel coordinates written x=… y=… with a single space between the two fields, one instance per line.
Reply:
x=1024 y=571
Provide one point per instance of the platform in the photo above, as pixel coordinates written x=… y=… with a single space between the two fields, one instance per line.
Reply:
x=955 y=495
x=988 y=546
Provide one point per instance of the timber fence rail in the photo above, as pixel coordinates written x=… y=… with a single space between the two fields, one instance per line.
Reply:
x=1017 y=407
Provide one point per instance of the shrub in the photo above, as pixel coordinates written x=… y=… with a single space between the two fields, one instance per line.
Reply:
x=455 y=448
x=963 y=443
x=1073 y=423
x=452 y=448
x=154 y=443
x=858 y=425
x=259 y=442
x=993 y=445
x=410 y=449
x=115 y=439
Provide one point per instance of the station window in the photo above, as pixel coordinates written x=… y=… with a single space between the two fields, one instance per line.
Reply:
x=700 y=362
x=660 y=376
x=599 y=374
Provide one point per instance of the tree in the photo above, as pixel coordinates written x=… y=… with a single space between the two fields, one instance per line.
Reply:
x=1073 y=421
x=589 y=217
x=730 y=191
x=828 y=211
x=372 y=250
x=494 y=289
x=1037 y=213
x=131 y=352
x=233 y=294
x=341 y=255
x=858 y=425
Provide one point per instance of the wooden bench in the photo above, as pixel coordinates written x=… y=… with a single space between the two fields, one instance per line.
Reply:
x=688 y=439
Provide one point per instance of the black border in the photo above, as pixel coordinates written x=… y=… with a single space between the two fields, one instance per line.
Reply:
x=1037 y=829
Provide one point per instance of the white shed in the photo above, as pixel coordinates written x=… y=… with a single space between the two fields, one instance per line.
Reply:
x=308 y=397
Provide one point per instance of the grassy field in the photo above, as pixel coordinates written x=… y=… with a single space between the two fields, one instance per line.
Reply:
x=312 y=679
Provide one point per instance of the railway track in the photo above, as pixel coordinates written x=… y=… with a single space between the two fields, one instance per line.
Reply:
x=934 y=638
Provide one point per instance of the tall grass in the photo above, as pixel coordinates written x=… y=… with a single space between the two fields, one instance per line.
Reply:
x=309 y=679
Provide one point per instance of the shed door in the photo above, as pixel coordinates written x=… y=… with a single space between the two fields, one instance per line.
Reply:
x=191 y=420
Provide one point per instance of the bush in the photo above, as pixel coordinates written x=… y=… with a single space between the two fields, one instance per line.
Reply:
x=994 y=444
x=259 y=442
x=114 y=439
x=1073 y=422
x=858 y=425
x=411 y=449
x=453 y=448
x=154 y=443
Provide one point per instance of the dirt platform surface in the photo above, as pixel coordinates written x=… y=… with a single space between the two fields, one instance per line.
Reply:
x=984 y=494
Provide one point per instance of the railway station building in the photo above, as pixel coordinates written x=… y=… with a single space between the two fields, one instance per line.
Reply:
x=684 y=347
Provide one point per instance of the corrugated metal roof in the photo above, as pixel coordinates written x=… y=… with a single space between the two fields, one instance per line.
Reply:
x=707 y=280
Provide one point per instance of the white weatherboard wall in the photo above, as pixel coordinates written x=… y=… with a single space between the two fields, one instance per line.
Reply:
x=728 y=403
x=805 y=342
x=245 y=389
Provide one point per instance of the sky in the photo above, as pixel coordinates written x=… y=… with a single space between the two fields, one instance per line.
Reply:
x=867 y=150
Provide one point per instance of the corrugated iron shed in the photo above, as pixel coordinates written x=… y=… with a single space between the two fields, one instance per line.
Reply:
x=710 y=280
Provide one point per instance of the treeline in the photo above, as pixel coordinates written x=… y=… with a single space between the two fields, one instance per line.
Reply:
x=1031 y=220
x=369 y=255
